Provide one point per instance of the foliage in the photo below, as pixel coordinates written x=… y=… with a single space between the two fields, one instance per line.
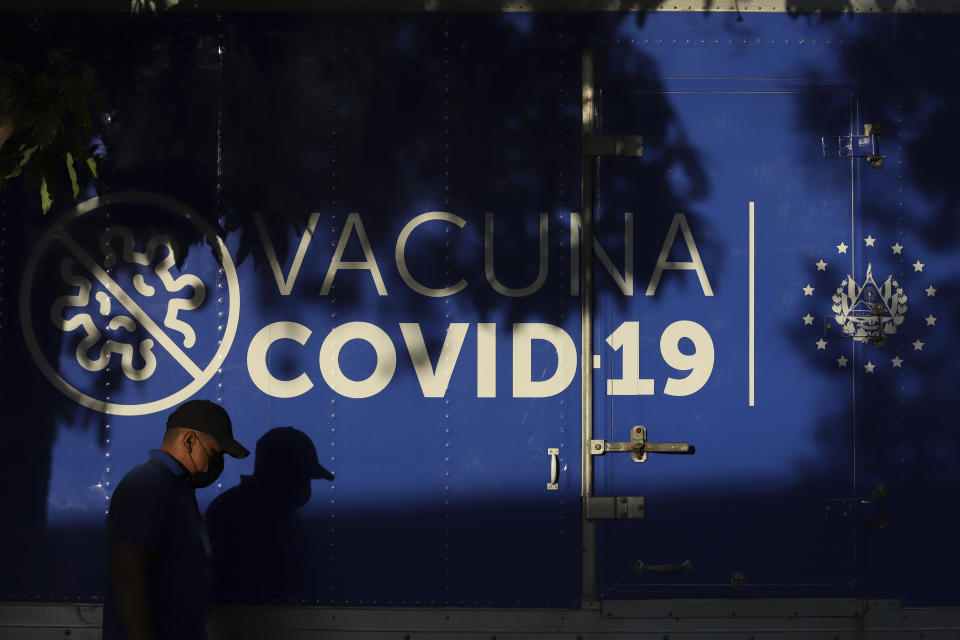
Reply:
x=47 y=117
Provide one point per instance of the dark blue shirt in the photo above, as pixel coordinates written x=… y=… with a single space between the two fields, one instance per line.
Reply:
x=154 y=506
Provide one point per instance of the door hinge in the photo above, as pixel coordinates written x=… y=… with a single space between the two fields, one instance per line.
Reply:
x=865 y=146
x=610 y=508
x=860 y=509
x=638 y=446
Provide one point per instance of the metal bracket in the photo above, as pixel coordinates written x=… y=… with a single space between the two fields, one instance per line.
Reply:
x=860 y=509
x=865 y=146
x=602 y=144
x=638 y=447
x=607 y=508
x=880 y=339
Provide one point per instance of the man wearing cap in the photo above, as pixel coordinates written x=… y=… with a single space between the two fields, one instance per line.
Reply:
x=158 y=572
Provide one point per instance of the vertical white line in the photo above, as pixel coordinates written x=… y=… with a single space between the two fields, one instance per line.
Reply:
x=750 y=304
x=854 y=120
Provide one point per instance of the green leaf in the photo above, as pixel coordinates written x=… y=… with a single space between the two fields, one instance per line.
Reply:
x=45 y=200
x=93 y=165
x=13 y=174
x=23 y=161
x=73 y=176
x=27 y=154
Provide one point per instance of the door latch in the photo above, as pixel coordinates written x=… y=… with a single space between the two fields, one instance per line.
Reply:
x=865 y=146
x=638 y=447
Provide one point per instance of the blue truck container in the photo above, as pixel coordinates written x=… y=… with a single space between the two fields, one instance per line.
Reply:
x=604 y=322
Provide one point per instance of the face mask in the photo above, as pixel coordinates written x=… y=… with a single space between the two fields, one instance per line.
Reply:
x=200 y=479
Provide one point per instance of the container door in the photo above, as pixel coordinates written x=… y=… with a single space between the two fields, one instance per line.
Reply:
x=744 y=239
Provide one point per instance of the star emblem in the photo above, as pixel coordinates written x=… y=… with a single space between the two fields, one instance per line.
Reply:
x=807 y=320
x=850 y=309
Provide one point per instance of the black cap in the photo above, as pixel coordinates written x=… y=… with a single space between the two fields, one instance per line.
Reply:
x=288 y=451
x=208 y=417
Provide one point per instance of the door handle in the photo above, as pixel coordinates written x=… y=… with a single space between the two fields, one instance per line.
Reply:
x=685 y=567
x=554 y=483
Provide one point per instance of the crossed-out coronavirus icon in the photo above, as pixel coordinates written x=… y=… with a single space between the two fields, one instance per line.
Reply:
x=129 y=319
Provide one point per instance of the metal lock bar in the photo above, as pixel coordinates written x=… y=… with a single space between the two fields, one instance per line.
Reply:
x=614 y=508
x=602 y=144
x=638 y=447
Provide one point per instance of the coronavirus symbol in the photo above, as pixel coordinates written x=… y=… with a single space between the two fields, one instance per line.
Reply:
x=137 y=322
x=77 y=318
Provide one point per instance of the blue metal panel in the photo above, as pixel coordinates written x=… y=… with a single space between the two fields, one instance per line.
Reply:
x=367 y=125
x=913 y=445
x=308 y=120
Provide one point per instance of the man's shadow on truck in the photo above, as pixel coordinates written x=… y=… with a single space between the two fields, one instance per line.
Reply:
x=261 y=551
